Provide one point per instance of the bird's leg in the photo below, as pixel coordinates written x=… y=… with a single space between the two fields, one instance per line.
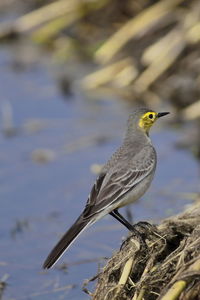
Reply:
x=135 y=233
x=140 y=228
x=122 y=220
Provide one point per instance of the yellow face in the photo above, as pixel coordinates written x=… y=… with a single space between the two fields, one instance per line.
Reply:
x=147 y=120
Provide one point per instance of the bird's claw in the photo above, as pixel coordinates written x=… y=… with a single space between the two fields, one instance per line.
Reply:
x=140 y=232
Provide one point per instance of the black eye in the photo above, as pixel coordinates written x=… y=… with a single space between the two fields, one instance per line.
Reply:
x=151 y=116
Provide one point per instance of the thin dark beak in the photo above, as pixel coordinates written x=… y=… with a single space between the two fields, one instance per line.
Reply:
x=162 y=114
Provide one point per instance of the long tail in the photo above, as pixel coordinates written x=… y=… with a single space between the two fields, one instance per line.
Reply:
x=66 y=241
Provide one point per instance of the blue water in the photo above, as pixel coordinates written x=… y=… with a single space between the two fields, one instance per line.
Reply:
x=48 y=197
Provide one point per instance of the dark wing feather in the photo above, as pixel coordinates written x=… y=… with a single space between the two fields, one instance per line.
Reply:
x=119 y=181
x=93 y=194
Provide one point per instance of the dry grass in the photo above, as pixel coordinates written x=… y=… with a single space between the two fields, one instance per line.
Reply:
x=167 y=268
x=145 y=50
x=142 y=51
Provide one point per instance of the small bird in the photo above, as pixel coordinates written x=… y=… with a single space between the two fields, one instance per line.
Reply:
x=123 y=180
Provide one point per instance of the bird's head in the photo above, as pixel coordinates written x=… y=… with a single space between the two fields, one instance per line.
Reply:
x=144 y=118
x=147 y=119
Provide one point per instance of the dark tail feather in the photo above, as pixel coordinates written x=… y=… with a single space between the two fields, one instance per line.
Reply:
x=65 y=241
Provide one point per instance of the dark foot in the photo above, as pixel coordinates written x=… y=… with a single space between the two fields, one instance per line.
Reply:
x=135 y=235
x=146 y=229
x=140 y=232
